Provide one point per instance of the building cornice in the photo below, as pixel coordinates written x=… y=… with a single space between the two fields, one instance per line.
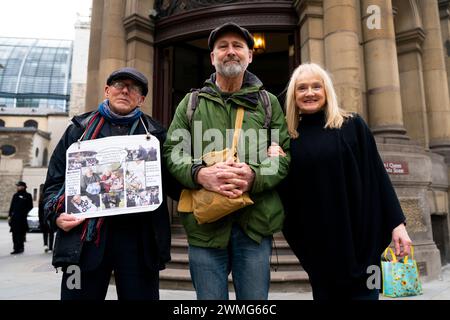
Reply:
x=33 y=112
x=139 y=28
x=308 y=9
x=264 y=15
x=25 y=130
x=444 y=9
x=410 y=40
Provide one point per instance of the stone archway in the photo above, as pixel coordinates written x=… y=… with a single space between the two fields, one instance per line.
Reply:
x=187 y=31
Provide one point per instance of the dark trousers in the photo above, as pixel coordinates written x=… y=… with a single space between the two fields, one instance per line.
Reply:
x=48 y=238
x=124 y=255
x=354 y=290
x=18 y=240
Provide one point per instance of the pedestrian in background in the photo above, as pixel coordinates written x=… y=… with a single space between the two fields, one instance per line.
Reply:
x=21 y=204
x=47 y=234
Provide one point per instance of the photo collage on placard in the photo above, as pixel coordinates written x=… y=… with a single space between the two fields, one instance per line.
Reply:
x=101 y=186
x=141 y=153
x=138 y=194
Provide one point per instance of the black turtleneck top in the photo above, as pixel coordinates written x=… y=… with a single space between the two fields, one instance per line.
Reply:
x=340 y=204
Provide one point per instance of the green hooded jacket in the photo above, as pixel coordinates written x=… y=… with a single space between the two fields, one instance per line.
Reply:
x=212 y=129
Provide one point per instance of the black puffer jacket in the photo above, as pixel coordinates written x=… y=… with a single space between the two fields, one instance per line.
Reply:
x=154 y=227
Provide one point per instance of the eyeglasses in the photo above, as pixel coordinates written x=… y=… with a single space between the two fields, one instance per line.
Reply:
x=132 y=88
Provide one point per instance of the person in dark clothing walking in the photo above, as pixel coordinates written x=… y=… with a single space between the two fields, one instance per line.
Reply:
x=341 y=207
x=135 y=246
x=21 y=204
x=47 y=234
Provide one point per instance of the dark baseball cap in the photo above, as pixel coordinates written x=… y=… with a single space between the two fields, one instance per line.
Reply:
x=21 y=184
x=230 y=27
x=129 y=73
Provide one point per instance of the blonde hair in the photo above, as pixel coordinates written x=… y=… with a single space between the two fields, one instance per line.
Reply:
x=334 y=115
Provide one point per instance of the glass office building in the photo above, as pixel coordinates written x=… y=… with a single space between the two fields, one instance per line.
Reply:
x=35 y=73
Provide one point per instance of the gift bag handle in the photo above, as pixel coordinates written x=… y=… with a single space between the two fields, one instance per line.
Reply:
x=394 y=257
x=412 y=255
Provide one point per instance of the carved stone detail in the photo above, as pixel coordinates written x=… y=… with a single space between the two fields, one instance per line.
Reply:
x=413 y=213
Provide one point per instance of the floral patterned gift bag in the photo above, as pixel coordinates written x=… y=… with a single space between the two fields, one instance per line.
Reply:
x=400 y=277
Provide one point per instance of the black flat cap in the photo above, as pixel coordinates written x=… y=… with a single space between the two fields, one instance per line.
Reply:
x=21 y=184
x=230 y=27
x=130 y=73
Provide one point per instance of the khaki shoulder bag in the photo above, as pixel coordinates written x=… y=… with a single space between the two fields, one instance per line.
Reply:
x=209 y=206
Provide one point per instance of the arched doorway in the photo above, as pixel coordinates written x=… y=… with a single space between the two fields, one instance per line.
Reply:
x=182 y=57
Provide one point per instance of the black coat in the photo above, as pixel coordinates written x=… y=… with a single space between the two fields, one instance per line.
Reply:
x=43 y=225
x=21 y=204
x=340 y=204
x=153 y=227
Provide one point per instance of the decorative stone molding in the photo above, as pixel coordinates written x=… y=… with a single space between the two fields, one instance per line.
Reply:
x=273 y=16
x=166 y=8
x=413 y=214
x=444 y=8
x=308 y=9
x=391 y=132
x=410 y=40
x=139 y=28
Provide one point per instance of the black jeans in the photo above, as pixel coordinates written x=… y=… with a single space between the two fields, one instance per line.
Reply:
x=124 y=255
x=48 y=238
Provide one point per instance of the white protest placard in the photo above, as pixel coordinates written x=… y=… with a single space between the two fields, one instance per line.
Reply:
x=113 y=175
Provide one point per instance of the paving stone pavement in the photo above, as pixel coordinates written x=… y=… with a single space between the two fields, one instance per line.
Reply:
x=30 y=276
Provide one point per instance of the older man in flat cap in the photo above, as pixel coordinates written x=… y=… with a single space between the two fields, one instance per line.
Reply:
x=240 y=242
x=135 y=246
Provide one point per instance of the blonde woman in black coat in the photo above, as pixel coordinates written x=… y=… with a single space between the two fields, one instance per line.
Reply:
x=341 y=207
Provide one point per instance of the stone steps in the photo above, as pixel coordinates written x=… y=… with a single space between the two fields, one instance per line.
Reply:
x=281 y=281
x=287 y=274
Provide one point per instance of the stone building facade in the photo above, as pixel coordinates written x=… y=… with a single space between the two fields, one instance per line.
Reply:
x=389 y=60
x=42 y=83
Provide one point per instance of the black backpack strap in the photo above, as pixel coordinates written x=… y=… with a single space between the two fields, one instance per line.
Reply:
x=265 y=99
x=192 y=105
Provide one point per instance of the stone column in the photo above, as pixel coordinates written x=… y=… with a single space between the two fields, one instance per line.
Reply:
x=92 y=93
x=140 y=29
x=342 y=51
x=435 y=79
x=113 y=42
x=444 y=10
x=383 y=84
x=412 y=84
x=444 y=7
x=310 y=14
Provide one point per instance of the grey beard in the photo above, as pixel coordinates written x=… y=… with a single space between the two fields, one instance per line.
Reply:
x=231 y=70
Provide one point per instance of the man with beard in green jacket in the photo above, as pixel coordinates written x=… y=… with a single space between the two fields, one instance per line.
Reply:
x=240 y=242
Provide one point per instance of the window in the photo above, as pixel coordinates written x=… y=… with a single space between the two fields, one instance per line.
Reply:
x=34 y=194
x=2 y=123
x=36 y=153
x=30 y=123
x=8 y=150
x=45 y=158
